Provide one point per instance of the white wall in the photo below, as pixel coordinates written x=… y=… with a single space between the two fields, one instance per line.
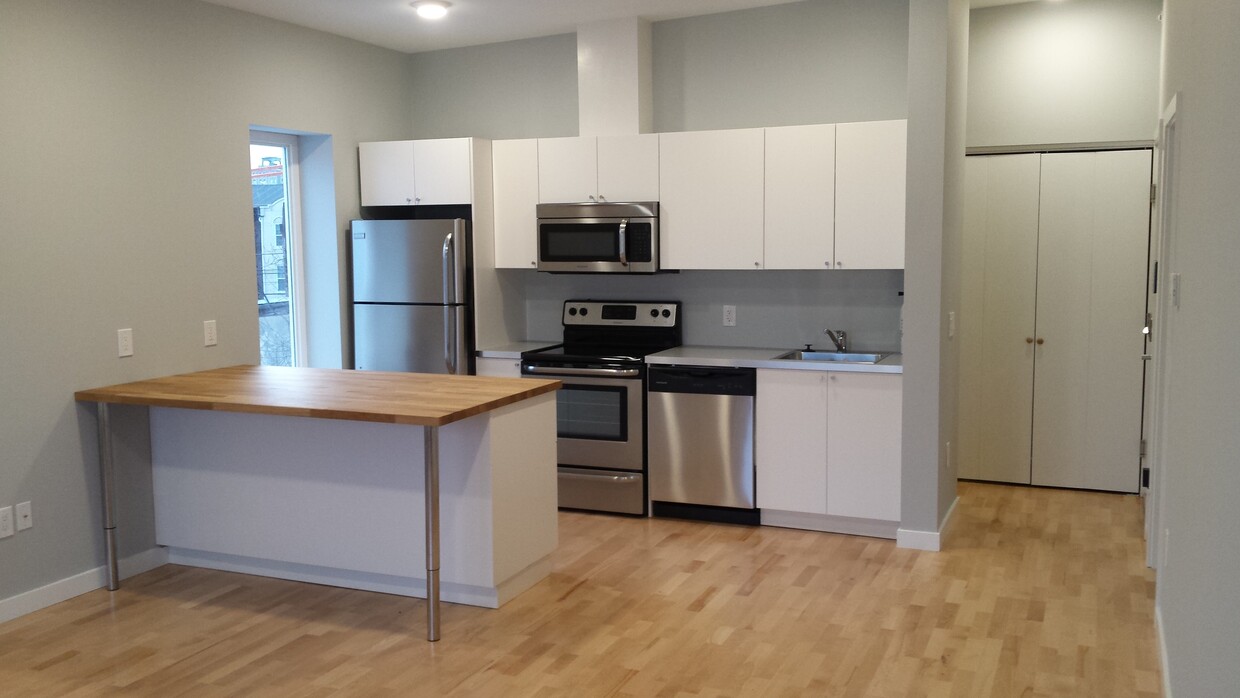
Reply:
x=1068 y=72
x=125 y=202
x=1198 y=601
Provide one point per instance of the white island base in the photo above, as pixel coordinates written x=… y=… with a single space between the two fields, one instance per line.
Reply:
x=342 y=502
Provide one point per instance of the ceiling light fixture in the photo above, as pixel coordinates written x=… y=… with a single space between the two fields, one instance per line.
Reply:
x=431 y=9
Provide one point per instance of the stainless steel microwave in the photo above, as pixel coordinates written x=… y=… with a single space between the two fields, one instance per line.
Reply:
x=599 y=237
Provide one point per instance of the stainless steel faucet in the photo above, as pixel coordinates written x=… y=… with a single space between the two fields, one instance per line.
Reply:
x=839 y=338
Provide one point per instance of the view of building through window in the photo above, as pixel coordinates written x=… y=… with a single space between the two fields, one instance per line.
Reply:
x=271 y=252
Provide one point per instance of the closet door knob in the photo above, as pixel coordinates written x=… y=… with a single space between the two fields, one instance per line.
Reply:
x=1041 y=341
x=1028 y=340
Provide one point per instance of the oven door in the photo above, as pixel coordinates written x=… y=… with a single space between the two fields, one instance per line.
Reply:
x=623 y=245
x=599 y=416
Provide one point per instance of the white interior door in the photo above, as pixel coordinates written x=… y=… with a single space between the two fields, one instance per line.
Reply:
x=997 y=317
x=1092 y=254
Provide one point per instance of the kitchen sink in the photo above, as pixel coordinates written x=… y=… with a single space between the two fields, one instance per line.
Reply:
x=837 y=356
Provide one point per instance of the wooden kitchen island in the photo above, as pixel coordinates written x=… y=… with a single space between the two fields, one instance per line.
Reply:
x=334 y=476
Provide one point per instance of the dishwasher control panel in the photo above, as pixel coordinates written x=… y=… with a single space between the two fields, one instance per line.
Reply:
x=702 y=380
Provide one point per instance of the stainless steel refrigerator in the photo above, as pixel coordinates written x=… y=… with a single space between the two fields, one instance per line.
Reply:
x=411 y=296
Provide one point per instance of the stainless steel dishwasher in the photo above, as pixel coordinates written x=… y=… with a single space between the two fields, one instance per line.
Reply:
x=701 y=425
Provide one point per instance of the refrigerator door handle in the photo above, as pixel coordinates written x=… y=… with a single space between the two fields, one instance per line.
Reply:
x=449 y=339
x=449 y=269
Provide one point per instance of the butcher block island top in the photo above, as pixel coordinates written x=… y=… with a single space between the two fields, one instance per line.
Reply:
x=325 y=393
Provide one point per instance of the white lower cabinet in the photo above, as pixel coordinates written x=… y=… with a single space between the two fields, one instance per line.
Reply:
x=498 y=368
x=827 y=450
x=790 y=441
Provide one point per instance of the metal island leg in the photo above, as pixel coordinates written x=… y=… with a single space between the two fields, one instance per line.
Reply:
x=432 y=532
x=108 y=493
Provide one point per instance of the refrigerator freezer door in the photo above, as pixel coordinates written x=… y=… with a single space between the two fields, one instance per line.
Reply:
x=417 y=338
x=419 y=261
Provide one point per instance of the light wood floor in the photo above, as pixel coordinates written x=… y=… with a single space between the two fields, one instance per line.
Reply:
x=1041 y=593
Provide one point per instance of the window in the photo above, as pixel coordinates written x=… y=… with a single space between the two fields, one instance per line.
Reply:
x=274 y=186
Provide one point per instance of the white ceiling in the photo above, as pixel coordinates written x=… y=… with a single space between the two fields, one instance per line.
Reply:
x=393 y=24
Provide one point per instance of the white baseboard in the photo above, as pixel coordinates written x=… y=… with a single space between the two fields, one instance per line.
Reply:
x=829 y=524
x=78 y=584
x=1162 y=651
x=928 y=540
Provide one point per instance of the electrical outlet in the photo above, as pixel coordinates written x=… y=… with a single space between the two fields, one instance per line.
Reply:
x=6 y=522
x=124 y=343
x=209 y=337
x=729 y=316
x=24 y=519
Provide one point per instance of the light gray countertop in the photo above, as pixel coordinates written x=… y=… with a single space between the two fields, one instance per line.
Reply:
x=513 y=350
x=758 y=357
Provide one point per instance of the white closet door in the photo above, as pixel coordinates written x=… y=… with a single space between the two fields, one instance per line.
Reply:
x=1091 y=301
x=997 y=317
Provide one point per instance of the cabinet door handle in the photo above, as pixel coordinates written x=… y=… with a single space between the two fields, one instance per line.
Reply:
x=1028 y=340
x=1041 y=341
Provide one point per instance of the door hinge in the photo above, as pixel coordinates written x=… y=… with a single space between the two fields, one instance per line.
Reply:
x=1153 y=192
x=1142 y=447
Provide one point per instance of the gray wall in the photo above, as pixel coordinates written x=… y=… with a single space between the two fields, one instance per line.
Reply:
x=819 y=61
x=516 y=89
x=774 y=308
x=125 y=201
x=1069 y=72
x=938 y=42
x=1198 y=602
x=812 y=62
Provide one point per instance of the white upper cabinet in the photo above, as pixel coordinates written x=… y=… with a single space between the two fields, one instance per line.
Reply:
x=442 y=171
x=607 y=168
x=567 y=170
x=800 y=197
x=405 y=173
x=870 y=167
x=628 y=167
x=515 y=172
x=386 y=173
x=710 y=199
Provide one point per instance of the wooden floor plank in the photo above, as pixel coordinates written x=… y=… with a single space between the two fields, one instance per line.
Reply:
x=1040 y=593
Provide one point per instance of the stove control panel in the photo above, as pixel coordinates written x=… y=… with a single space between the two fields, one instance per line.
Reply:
x=622 y=313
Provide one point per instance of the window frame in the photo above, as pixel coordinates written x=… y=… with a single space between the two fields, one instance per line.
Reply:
x=293 y=235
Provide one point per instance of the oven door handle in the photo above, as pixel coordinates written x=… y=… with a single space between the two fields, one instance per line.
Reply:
x=602 y=372
x=598 y=476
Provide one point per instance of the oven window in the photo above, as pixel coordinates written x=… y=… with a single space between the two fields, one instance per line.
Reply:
x=579 y=242
x=592 y=412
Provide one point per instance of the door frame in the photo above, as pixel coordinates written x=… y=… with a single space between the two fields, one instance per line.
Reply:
x=1159 y=306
